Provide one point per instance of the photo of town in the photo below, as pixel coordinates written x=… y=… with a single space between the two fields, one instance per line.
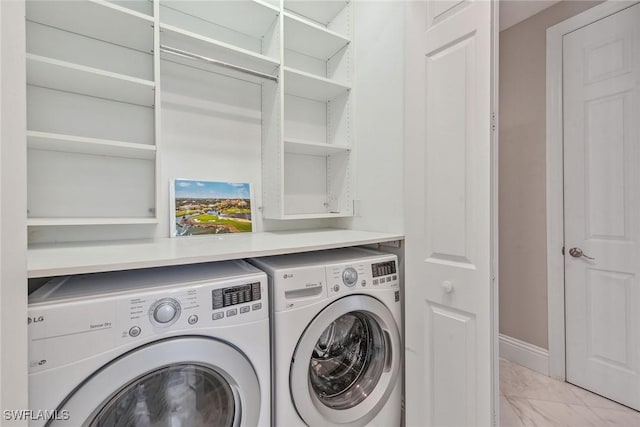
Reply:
x=211 y=207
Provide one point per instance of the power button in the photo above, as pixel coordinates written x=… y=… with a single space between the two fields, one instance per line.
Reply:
x=134 y=331
x=193 y=319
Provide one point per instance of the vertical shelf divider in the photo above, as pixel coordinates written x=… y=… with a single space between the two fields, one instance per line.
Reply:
x=157 y=106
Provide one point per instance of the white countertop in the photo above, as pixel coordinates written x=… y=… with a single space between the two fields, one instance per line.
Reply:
x=91 y=257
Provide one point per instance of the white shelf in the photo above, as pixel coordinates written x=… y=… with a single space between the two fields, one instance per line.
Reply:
x=69 y=77
x=320 y=11
x=96 y=19
x=319 y=215
x=205 y=46
x=311 y=39
x=306 y=85
x=251 y=17
x=91 y=257
x=33 y=222
x=296 y=146
x=76 y=144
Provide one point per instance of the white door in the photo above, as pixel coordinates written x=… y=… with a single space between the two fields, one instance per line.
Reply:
x=601 y=78
x=449 y=298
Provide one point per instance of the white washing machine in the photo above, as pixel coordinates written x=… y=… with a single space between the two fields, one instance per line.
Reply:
x=183 y=346
x=336 y=342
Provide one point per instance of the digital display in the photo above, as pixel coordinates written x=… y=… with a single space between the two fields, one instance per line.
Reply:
x=235 y=295
x=383 y=268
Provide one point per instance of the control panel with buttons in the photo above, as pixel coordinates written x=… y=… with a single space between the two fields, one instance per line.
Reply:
x=352 y=277
x=194 y=307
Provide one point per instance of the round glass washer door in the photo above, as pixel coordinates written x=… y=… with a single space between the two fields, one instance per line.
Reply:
x=169 y=383
x=346 y=363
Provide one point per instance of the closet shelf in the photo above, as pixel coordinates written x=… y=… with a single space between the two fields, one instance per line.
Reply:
x=322 y=12
x=251 y=17
x=296 y=146
x=97 y=19
x=311 y=39
x=319 y=215
x=195 y=43
x=306 y=85
x=69 y=77
x=33 y=222
x=77 y=144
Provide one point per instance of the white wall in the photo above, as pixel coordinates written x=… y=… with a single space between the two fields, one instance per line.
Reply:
x=13 y=208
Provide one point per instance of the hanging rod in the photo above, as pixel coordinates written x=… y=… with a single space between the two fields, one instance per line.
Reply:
x=197 y=57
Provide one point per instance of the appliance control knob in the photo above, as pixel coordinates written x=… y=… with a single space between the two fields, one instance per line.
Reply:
x=166 y=311
x=350 y=276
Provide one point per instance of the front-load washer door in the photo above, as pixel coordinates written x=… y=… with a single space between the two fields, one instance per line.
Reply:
x=346 y=363
x=179 y=382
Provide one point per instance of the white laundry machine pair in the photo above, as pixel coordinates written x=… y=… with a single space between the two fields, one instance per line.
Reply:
x=336 y=340
x=183 y=346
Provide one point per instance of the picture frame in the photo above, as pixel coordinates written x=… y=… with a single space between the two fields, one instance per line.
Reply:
x=205 y=207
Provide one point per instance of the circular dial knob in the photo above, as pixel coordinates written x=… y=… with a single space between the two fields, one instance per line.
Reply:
x=349 y=276
x=165 y=311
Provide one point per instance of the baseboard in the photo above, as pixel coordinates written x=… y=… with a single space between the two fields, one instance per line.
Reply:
x=524 y=354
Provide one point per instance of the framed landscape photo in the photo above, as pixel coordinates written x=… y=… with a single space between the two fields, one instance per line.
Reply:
x=210 y=207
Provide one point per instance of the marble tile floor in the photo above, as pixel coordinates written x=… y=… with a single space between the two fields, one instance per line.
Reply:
x=529 y=399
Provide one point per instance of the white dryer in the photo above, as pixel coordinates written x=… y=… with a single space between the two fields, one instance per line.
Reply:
x=336 y=322
x=183 y=346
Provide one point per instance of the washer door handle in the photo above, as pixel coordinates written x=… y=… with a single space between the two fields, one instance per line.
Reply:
x=389 y=351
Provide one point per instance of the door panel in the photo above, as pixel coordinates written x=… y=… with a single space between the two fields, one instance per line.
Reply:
x=449 y=75
x=601 y=101
x=453 y=343
x=449 y=222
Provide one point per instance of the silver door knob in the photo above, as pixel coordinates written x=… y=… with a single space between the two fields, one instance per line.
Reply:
x=577 y=253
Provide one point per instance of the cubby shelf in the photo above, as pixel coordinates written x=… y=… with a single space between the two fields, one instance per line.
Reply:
x=34 y=222
x=306 y=85
x=311 y=39
x=76 y=144
x=69 y=77
x=97 y=19
x=205 y=46
x=322 y=12
x=297 y=146
x=250 y=17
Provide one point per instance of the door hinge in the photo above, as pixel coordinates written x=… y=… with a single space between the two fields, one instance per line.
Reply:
x=563 y=250
x=493 y=122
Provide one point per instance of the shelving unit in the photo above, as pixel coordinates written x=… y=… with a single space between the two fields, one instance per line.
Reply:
x=310 y=176
x=95 y=67
x=90 y=87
